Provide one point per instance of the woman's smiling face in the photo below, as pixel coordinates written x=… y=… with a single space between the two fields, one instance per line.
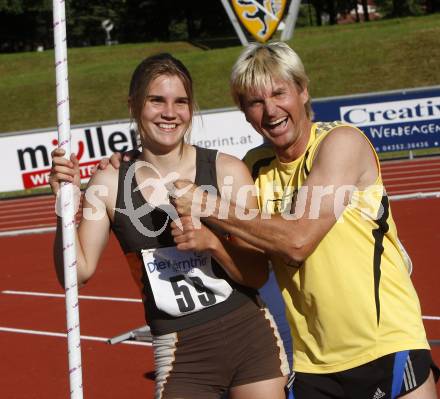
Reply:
x=166 y=113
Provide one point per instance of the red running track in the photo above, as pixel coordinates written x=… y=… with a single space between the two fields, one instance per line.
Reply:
x=35 y=366
x=412 y=176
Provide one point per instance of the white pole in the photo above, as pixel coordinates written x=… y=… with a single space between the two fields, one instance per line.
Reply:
x=291 y=20
x=67 y=203
x=235 y=23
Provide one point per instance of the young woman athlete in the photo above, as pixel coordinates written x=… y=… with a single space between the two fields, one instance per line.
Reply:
x=211 y=333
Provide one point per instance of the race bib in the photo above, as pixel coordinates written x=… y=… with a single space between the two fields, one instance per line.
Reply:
x=183 y=282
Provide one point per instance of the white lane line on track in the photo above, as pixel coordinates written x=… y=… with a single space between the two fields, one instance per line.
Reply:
x=90 y=297
x=5 y=232
x=431 y=317
x=64 y=335
x=406 y=178
x=415 y=195
x=432 y=182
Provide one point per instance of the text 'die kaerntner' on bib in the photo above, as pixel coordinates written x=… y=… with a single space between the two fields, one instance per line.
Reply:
x=183 y=282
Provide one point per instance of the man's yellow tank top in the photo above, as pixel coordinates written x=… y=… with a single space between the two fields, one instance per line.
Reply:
x=352 y=300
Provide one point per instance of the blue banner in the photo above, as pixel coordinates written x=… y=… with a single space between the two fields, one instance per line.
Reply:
x=393 y=121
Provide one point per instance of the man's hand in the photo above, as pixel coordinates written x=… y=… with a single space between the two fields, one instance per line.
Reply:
x=192 y=238
x=191 y=200
x=116 y=159
x=181 y=196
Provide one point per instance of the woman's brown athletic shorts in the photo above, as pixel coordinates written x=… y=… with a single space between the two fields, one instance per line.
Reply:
x=203 y=361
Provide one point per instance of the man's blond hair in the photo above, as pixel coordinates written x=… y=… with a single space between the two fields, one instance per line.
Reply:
x=259 y=64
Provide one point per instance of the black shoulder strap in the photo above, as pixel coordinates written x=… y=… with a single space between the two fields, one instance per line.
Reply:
x=123 y=168
x=206 y=171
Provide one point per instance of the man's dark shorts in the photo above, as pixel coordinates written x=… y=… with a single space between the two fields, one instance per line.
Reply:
x=388 y=377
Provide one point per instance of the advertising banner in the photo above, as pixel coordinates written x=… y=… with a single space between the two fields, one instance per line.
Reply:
x=25 y=156
x=393 y=121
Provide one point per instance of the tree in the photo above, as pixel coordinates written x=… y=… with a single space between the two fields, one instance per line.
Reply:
x=145 y=20
x=84 y=20
x=319 y=9
x=25 y=24
x=399 y=8
x=11 y=6
x=356 y=11
x=211 y=20
x=365 y=10
x=331 y=10
x=432 y=6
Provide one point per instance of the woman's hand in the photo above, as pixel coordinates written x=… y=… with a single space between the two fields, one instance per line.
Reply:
x=63 y=170
x=193 y=238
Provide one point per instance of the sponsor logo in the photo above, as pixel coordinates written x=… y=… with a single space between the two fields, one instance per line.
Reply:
x=378 y=394
x=40 y=178
x=392 y=112
x=260 y=17
x=182 y=265
x=403 y=130
x=34 y=161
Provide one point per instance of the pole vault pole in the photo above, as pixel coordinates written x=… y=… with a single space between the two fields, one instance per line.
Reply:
x=67 y=207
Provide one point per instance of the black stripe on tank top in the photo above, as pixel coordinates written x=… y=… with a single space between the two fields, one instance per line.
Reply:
x=306 y=169
x=378 y=234
x=259 y=164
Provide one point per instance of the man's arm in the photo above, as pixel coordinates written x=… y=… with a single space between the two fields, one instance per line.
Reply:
x=239 y=261
x=343 y=160
x=244 y=263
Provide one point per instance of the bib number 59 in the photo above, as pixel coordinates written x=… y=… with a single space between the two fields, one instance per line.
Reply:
x=183 y=295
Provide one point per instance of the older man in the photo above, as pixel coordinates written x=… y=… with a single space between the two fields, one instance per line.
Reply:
x=353 y=312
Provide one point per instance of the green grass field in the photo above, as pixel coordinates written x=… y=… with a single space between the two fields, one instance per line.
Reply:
x=340 y=60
